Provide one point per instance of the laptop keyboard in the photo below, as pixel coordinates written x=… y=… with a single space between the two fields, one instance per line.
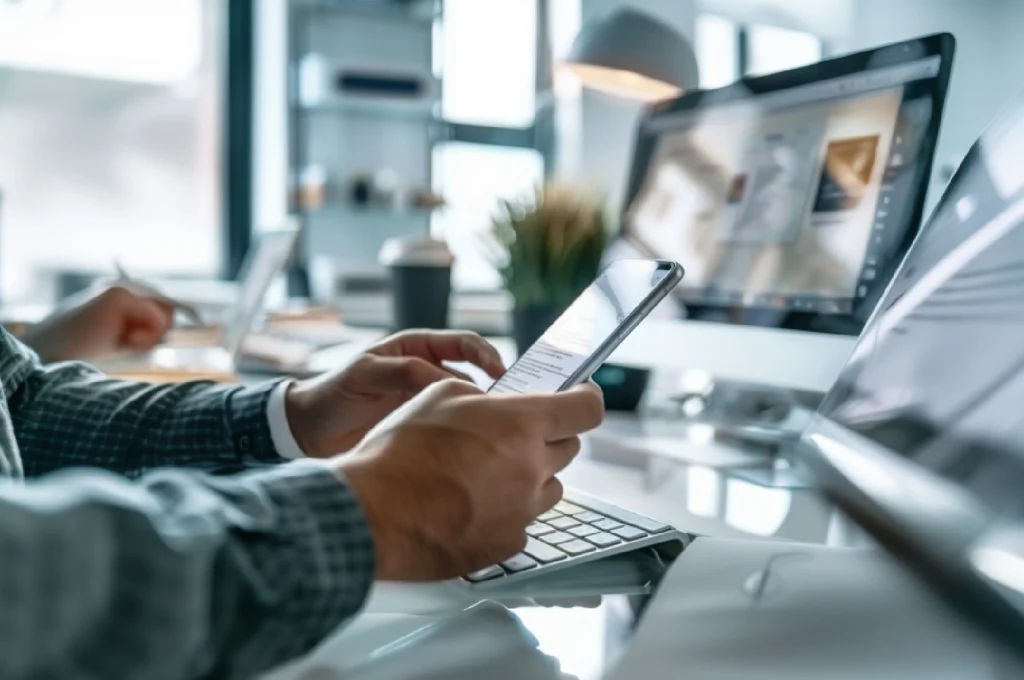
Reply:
x=572 y=530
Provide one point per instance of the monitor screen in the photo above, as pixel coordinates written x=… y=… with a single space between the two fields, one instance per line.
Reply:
x=789 y=200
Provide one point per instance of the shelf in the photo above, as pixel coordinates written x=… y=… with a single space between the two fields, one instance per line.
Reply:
x=415 y=12
x=375 y=110
x=371 y=212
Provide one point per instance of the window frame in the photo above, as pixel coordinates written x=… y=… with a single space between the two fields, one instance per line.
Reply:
x=743 y=30
x=238 y=144
x=539 y=136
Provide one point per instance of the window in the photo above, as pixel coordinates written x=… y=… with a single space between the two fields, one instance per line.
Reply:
x=717 y=51
x=475 y=177
x=106 y=157
x=489 y=52
x=727 y=49
x=488 y=64
x=771 y=49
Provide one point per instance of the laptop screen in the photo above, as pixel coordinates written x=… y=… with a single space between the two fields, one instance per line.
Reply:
x=790 y=199
x=922 y=437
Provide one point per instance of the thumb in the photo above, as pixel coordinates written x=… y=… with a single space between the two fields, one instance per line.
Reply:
x=406 y=374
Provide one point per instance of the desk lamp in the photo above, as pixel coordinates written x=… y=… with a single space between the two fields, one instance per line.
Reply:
x=633 y=55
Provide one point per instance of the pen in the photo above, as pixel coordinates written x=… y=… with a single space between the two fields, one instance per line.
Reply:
x=145 y=290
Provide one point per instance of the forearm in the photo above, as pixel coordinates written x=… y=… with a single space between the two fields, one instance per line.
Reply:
x=191 y=576
x=70 y=414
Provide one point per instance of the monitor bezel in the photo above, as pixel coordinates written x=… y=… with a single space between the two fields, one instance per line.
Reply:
x=942 y=45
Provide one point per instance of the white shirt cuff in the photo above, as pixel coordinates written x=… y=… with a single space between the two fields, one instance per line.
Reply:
x=280 y=430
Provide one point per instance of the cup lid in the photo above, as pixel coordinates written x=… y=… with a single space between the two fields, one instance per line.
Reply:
x=421 y=251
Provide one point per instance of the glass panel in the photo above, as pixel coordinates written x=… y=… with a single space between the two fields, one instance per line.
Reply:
x=489 y=60
x=472 y=178
x=717 y=51
x=106 y=157
x=774 y=49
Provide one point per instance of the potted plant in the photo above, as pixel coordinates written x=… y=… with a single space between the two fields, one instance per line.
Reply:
x=547 y=247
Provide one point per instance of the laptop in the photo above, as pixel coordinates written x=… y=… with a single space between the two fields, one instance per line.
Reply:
x=219 y=352
x=921 y=441
x=883 y=105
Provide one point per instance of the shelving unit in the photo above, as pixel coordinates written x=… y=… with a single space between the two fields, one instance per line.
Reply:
x=421 y=12
x=375 y=111
x=359 y=136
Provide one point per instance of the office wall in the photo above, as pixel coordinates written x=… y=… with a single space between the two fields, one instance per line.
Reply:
x=828 y=19
x=988 y=67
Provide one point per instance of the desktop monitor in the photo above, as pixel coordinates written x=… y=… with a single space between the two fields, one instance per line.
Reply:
x=922 y=438
x=790 y=200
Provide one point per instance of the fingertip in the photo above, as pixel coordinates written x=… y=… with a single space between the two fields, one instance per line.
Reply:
x=481 y=352
x=143 y=339
x=490 y=360
x=550 y=494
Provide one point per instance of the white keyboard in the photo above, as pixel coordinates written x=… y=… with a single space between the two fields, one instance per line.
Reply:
x=579 y=529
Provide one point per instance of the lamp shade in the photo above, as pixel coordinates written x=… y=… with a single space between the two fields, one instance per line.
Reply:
x=632 y=54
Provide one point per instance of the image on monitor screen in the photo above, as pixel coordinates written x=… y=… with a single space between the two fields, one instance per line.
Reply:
x=796 y=200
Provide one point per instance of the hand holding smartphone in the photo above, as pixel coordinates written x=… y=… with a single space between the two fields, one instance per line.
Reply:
x=593 y=326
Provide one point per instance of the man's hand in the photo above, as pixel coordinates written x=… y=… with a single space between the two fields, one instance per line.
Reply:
x=331 y=414
x=115 y=320
x=450 y=481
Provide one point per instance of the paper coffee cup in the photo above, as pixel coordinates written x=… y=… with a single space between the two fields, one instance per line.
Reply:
x=421 y=281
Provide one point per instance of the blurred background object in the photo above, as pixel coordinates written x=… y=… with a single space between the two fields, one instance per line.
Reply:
x=633 y=54
x=421 y=281
x=112 y=125
x=547 y=247
x=168 y=134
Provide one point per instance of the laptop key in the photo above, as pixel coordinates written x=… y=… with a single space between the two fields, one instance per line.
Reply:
x=485 y=574
x=518 y=563
x=588 y=516
x=563 y=523
x=583 y=530
x=556 y=538
x=567 y=508
x=646 y=523
x=603 y=540
x=542 y=552
x=577 y=547
x=629 y=533
x=607 y=524
x=549 y=515
x=538 y=529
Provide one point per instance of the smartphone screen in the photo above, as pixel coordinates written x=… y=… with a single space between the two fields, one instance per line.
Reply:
x=593 y=325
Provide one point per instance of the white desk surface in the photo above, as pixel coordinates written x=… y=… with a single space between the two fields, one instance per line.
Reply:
x=419 y=632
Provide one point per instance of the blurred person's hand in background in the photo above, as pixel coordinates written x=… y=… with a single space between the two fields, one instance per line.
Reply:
x=114 y=321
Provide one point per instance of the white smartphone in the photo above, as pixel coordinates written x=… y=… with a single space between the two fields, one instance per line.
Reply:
x=597 y=322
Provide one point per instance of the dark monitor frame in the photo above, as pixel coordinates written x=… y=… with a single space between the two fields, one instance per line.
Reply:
x=942 y=45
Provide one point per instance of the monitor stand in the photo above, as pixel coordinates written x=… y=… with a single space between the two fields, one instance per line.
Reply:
x=751 y=415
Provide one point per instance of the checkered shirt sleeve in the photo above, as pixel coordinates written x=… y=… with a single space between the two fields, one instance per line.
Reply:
x=71 y=414
x=179 y=574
